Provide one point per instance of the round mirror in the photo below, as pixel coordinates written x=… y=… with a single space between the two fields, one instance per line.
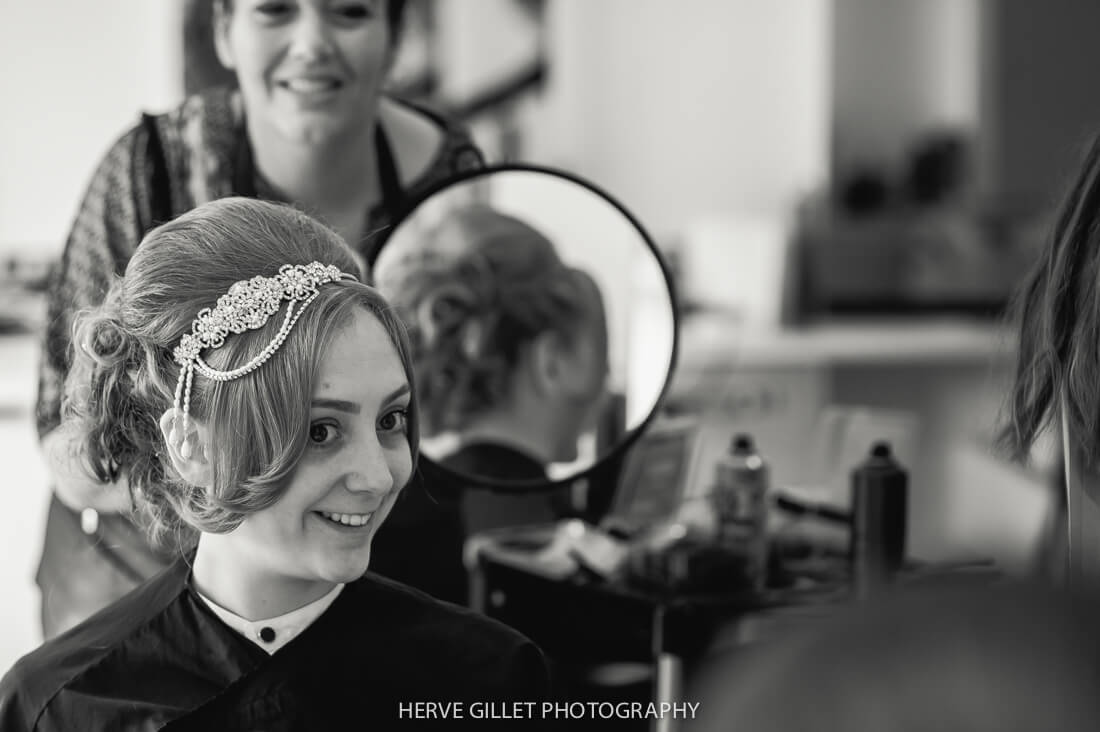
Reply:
x=542 y=323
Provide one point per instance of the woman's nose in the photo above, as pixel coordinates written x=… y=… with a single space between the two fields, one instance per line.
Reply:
x=370 y=471
x=311 y=38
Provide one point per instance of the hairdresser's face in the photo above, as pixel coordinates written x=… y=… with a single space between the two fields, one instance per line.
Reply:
x=309 y=70
x=356 y=461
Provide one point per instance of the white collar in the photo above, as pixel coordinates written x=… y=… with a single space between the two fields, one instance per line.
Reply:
x=271 y=634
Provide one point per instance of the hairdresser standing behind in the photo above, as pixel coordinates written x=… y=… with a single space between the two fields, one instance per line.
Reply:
x=309 y=125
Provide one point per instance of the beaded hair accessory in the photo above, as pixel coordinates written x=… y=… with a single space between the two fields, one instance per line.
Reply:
x=248 y=305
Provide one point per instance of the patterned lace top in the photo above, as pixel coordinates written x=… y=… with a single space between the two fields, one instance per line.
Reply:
x=205 y=156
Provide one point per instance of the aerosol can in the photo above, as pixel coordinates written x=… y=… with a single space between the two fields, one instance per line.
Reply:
x=880 y=494
x=740 y=503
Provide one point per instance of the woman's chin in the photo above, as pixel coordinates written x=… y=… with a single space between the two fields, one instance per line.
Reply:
x=349 y=569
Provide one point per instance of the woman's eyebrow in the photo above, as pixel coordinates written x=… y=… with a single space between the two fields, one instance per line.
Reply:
x=343 y=405
x=337 y=404
x=396 y=394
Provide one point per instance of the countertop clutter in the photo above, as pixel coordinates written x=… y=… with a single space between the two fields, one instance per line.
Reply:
x=815 y=395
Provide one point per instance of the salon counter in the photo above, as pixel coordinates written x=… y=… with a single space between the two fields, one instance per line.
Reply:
x=816 y=396
x=584 y=619
x=587 y=619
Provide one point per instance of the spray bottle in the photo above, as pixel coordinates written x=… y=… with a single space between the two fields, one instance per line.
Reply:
x=880 y=493
x=740 y=503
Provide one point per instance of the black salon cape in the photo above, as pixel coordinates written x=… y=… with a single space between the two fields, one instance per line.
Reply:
x=159 y=659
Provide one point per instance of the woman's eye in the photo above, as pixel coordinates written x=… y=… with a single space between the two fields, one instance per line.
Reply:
x=394 y=421
x=353 y=11
x=271 y=11
x=322 y=433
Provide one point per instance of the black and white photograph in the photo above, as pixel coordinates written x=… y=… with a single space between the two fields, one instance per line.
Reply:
x=550 y=364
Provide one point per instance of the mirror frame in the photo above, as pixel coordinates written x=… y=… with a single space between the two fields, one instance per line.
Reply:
x=620 y=449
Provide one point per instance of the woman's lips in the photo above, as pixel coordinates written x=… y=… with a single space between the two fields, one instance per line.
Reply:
x=311 y=85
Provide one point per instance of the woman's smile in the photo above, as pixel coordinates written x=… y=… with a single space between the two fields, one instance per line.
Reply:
x=360 y=524
x=311 y=90
x=347 y=519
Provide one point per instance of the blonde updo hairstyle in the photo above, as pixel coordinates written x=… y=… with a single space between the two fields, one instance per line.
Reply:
x=124 y=376
x=480 y=286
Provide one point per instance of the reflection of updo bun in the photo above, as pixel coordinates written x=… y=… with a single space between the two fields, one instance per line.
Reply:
x=483 y=287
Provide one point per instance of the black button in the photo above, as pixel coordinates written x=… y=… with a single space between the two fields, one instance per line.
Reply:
x=267 y=635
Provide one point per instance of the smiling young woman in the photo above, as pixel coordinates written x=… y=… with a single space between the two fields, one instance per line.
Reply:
x=260 y=400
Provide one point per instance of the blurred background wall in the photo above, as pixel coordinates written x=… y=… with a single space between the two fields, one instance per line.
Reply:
x=74 y=77
x=900 y=68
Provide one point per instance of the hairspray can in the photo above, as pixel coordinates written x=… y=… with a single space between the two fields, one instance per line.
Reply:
x=880 y=493
x=740 y=502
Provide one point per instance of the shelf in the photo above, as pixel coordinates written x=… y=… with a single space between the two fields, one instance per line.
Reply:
x=716 y=342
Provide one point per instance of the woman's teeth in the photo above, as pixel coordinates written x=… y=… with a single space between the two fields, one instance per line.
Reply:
x=307 y=86
x=347 y=519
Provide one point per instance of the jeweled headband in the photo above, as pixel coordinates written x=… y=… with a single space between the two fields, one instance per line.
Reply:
x=248 y=305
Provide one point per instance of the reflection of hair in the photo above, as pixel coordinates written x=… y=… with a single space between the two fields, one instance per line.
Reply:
x=486 y=286
x=124 y=375
x=395 y=16
x=1058 y=312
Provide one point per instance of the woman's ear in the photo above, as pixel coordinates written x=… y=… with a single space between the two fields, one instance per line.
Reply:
x=547 y=362
x=562 y=368
x=188 y=452
x=222 y=47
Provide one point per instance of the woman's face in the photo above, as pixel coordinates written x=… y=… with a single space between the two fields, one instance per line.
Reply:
x=591 y=345
x=308 y=69
x=585 y=387
x=357 y=459
x=589 y=352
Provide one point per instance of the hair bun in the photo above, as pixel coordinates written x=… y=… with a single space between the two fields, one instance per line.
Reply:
x=104 y=338
x=444 y=306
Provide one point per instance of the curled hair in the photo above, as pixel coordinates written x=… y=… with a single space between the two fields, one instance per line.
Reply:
x=472 y=306
x=1057 y=311
x=124 y=375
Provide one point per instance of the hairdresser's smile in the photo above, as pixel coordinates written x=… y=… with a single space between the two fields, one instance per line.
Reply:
x=308 y=69
x=311 y=89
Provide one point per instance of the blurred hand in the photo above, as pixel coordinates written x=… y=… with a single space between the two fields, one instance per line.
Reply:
x=74 y=485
